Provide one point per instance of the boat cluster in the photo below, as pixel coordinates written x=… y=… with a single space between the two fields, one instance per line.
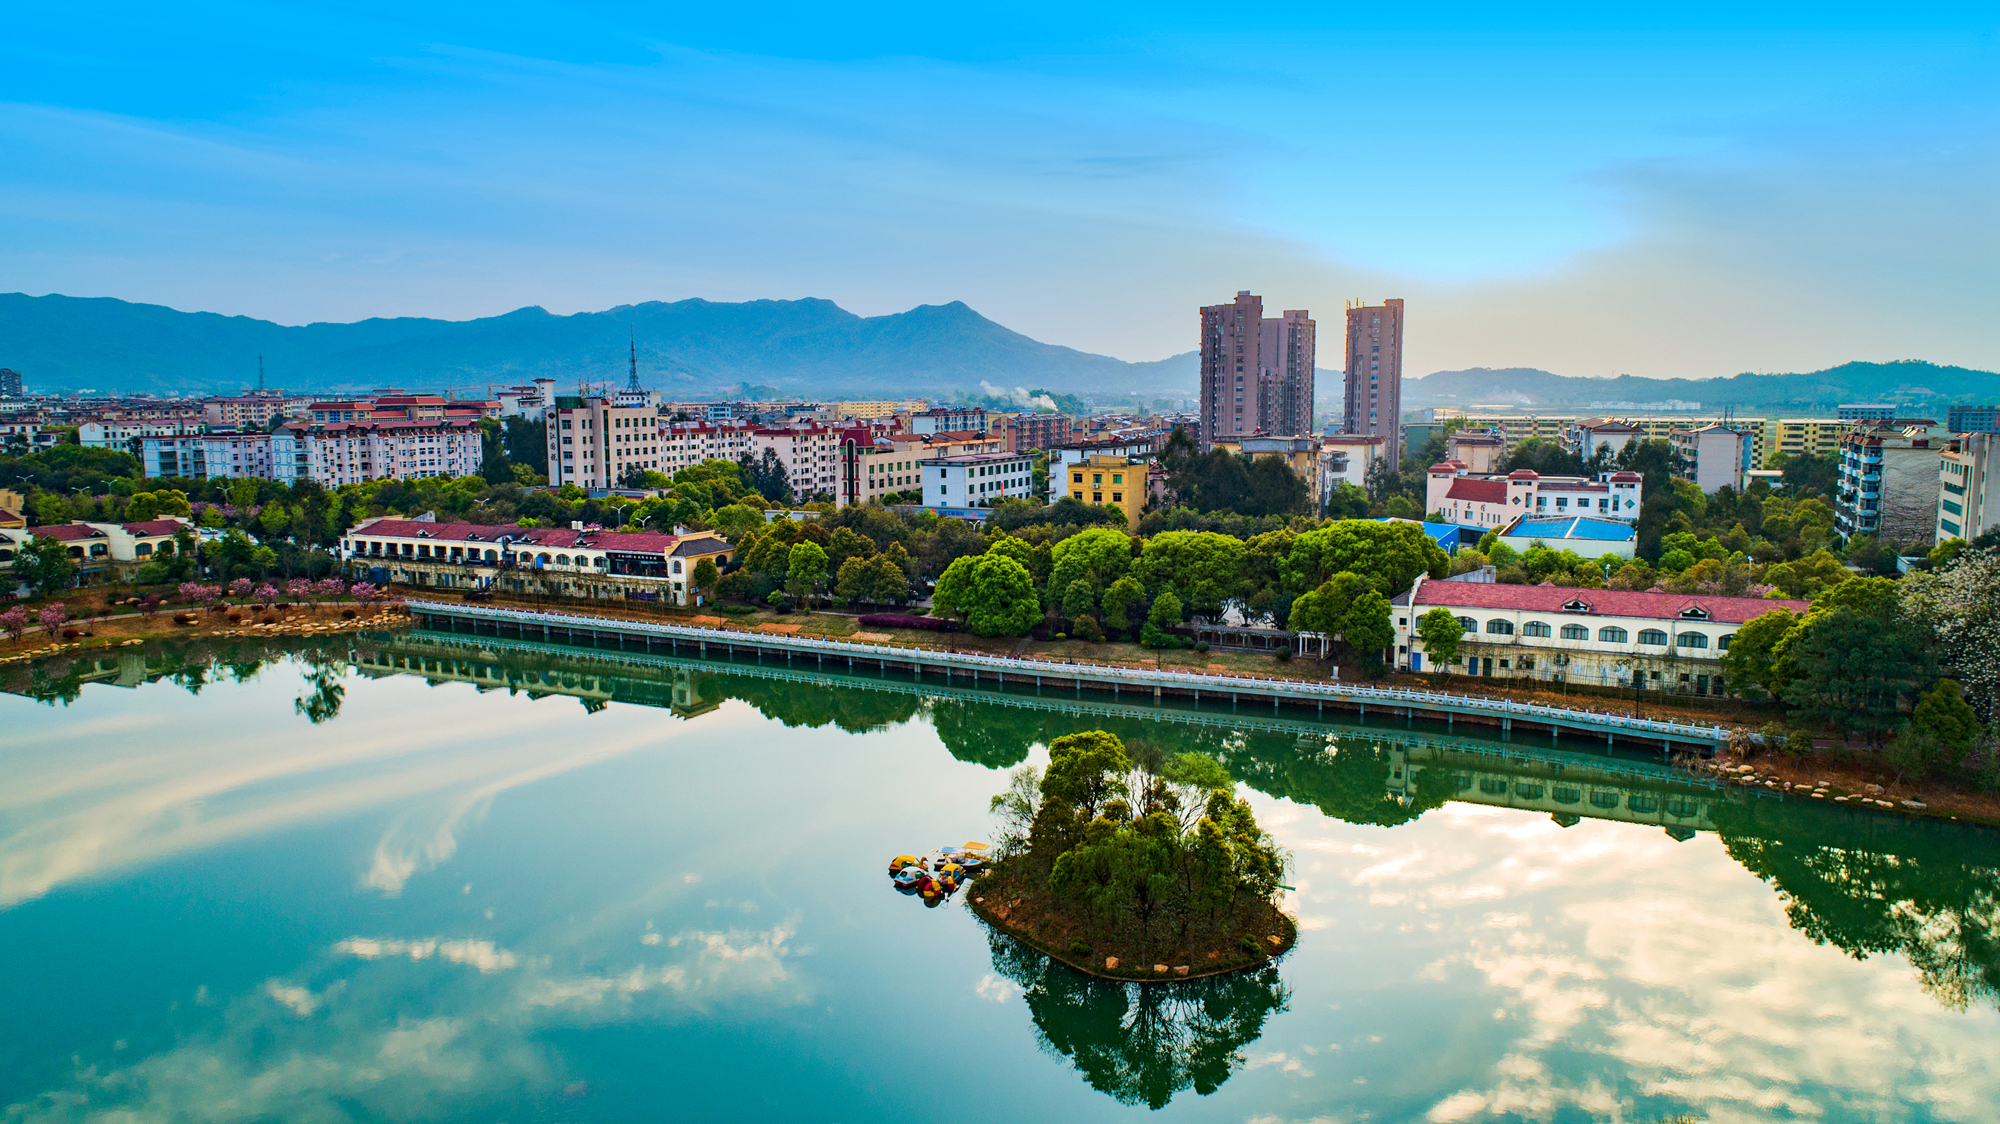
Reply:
x=938 y=875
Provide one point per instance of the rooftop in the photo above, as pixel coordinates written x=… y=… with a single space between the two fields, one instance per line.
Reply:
x=1570 y=528
x=1596 y=602
x=627 y=542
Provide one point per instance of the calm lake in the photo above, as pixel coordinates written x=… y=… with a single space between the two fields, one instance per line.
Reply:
x=425 y=877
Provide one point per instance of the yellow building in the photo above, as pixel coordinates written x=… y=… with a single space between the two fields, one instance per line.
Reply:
x=1118 y=482
x=1768 y=436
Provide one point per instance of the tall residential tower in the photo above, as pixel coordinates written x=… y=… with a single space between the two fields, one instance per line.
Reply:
x=1375 y=374
x=1256 y=374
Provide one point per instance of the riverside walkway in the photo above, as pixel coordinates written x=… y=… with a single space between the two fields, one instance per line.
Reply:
x=1241 y=691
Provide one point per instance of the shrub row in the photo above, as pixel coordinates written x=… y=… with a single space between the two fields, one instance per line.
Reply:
x=904 y=620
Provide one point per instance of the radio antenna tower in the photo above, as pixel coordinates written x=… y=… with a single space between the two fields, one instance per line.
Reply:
x=633 y=384
x=260 y=374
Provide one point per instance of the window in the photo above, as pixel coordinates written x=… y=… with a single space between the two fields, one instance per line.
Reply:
x=1535 y=628
x=1692 y=640
x=1576 y=632
x=1603 y=799
x=1468 y=624
x=1724 y=642
x=1612 y=634
x=1652 y=636
x=1498 y=627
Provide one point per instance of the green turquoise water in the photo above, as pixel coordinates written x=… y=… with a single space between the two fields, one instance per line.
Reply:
x=439 y=879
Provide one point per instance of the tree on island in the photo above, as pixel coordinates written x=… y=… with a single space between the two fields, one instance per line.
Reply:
x=1143 y=856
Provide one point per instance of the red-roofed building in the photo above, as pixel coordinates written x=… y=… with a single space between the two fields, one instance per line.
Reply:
x=1643 y=640
x=98 y=547
x=1454 y=494
x=569 y=561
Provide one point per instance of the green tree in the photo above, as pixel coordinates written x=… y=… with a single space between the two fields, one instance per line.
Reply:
x=1440 y=632
x=1388 y=555
x=704 y=580
x=45 y=565
x=1850 y=670
x=805 y=568
x=992 y=593
x=1165 y=614
x=1124 y=594
x=735 y=520
x=1753 y=651
x=877 y=580
x=1202 y=569
x=1944 y=717
x=1098 y=557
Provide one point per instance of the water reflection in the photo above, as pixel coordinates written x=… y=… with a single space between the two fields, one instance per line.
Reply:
x=1141 y=1043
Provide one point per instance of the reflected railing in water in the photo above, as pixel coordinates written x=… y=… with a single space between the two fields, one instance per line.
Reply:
x=1860 y=881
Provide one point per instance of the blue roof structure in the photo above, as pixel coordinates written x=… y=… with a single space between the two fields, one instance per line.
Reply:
x=1450 y=536
x=1570 y=529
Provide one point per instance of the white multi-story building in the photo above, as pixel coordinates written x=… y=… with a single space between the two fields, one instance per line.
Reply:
x=1968 y=506
x=976 y=479
x=1650 y=641
x=811 y=456
x=526 y=401
x=533 y=559
x=1344 y=459
x=1494 y=501
x=686 y=443
x=1713 y=456
x=1887 y=483
x=949 y=419
x=121 y=435
x=593 y=442
x=204 y=456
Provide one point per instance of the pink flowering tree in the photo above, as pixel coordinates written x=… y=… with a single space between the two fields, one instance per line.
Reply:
x=191 y=592
x=53 y=618
x=266 y=594
x=241 y=587
x=365 y=592
x=298 y=589
x=331 y=587
x=207 y=595
x=14 y=622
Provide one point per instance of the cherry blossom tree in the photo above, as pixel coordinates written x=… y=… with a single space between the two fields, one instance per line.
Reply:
x=53 y=618
x=14 y=622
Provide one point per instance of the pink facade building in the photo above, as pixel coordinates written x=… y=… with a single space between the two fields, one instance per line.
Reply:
x=1374 y=400
x=1256 y=373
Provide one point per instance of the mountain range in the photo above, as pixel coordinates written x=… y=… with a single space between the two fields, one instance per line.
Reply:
x=685 y=348
x=811 y=347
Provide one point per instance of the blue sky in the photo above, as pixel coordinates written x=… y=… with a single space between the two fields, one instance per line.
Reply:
x=1721 y=190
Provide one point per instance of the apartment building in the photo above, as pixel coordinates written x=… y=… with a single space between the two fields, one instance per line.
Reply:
x=1888 y=485
x=1110 y=481
x=1972 y=419
x=685 y=444
x=949 y=419
x=1585 y=436
x=204 y=456
x=526 y=401
x=124 y=435
x=250 y=411
x=811 y=455
x=1345 y=458
x=1715 y=456
x=1457 y=496
x=594 y=442
x=870 y=411
x=1022 y=432
x=1256 y=372
x=1647 y=641
x=1865 y=412
x=975 y=479
x=1373 y=404
x=1967 y=506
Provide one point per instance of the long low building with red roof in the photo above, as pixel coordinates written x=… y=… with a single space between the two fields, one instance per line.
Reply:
x=1646 y=640
x=642 y=565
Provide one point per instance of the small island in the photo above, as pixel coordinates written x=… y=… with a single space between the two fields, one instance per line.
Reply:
x=1134 y=866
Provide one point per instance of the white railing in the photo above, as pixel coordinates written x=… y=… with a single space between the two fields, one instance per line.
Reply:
x=1220 y=684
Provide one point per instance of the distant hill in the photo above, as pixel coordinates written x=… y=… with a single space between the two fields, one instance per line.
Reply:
x=691 y=347
x=1908 y=382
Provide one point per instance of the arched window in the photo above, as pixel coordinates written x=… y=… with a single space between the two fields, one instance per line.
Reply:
x=1642 y=804
x=1724 y=642
x=1534 y=628
x=1468 y=624
x=1612 y=634
x=601 y=562
x=76 y=552
x=562 y=559
x=542 y=558
x=6 y=555
x=1603 y=799
x=1498 y=627
x=1576 y=632
x=493 y=556
x=1692 y=640
x=1652 y=636
x=143 y=549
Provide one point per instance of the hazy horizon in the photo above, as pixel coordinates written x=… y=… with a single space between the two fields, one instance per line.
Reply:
x=1690 y=195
